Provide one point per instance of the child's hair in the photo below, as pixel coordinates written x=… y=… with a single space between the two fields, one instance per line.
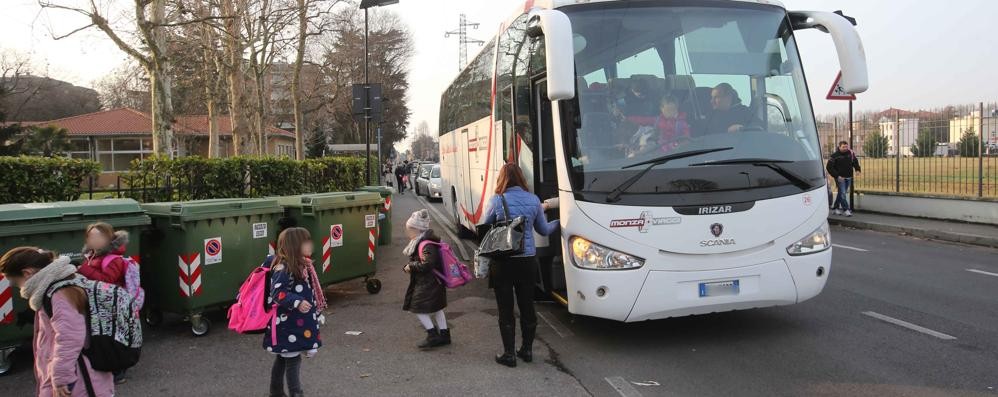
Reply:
x=668 y=100
x=16 y=260
x=104 y=228
x=289 y=253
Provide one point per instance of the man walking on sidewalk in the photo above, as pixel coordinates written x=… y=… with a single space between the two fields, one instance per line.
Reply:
x=840 y=166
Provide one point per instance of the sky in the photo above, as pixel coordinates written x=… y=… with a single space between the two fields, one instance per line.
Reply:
x=919 y=56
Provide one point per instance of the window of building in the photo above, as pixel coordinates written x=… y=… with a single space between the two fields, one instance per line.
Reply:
x=117 y=154
x=79 y=149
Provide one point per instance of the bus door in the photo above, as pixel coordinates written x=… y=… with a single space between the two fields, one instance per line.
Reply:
x=545 y=181
x=546 y=175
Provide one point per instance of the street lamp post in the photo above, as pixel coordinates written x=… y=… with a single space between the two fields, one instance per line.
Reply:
x=364 y=5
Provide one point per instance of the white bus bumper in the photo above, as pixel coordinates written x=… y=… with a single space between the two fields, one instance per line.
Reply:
x=663 y=294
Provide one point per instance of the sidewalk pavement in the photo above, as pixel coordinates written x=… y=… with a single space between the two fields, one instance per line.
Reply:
x=958 y=232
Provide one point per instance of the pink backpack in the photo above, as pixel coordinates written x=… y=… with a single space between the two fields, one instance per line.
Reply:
x=455 y=273
x=133 y=281
x=250 y=313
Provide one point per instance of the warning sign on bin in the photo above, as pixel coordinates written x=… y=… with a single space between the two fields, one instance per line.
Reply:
x=259 y=230
x=212 y=250
x=336 y=236
x=370 y=221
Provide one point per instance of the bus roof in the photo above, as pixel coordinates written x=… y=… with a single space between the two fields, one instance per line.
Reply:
x=550 y=4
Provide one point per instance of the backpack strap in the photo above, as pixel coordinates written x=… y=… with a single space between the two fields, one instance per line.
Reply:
x=86 y=376
x=423 y=244
x=107 y=259
x=47 y=298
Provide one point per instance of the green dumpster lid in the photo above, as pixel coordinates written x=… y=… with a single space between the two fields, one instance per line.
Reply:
x=212 y=209
x=379 y=189
x=332 y=200
x=69 y=215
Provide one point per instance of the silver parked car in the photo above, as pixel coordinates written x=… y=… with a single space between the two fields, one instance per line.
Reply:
x=428 y=183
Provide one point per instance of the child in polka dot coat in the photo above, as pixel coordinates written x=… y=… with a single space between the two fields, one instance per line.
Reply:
x=294 y=287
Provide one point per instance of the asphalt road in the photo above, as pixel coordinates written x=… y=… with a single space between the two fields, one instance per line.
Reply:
x=899 y=316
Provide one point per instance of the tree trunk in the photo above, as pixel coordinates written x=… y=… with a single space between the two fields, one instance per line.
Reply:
x=162 y=109
x=296 y=80
x=242 y=141
x=160 y=84
x=213 y=143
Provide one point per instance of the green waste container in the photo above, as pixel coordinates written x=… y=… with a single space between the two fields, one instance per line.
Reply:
x=344 y=227
x=198 y=253
x=60 y=227
x=385 y=218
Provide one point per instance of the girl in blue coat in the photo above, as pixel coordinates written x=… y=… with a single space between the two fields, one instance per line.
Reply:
x=295 y=288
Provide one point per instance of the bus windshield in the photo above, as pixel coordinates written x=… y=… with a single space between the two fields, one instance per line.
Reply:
x=655 y=79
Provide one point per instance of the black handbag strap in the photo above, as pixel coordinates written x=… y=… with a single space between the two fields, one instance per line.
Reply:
x=86 y=377
x=505 y=207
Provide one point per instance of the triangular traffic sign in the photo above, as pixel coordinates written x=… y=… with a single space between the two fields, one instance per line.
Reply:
x=839 y=93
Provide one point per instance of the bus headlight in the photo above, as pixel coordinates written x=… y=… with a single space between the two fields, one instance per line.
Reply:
x=815 y=242
x=589 y=255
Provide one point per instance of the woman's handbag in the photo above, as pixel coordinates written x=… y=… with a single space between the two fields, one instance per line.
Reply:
x=506 y=236
x=481 y=265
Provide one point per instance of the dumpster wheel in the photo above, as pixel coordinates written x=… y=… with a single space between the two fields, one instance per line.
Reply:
x=5 y=363
x=200 y=325
x=373 y=285
x=154 y=317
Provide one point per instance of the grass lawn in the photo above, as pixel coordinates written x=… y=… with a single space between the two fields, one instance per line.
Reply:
x=952 y=176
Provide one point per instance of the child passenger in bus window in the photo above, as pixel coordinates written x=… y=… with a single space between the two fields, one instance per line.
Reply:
x=671 y=123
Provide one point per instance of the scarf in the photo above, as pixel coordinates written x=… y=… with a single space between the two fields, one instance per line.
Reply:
x=313 y=281
x=35 y=287
x=411 y=247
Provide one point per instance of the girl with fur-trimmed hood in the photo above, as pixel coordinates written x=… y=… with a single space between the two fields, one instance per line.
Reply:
x=104 y=243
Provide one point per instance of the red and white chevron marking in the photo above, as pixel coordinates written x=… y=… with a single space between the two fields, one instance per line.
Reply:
x=6 y=301
x=370 y=245
x=271 y=249
x=327 y=253
x=388 y=203
x=190 y=274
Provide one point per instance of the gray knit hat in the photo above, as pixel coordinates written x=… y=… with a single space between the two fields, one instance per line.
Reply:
x=419 y=220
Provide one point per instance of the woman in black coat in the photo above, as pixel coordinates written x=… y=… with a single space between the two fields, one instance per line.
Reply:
x=426 y=296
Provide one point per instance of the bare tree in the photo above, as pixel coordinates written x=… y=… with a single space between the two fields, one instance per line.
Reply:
x=125 y=87
x=150 y=20
x=234 y=11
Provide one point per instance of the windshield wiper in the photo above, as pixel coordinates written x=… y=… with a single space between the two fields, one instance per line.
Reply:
x=614 y=194
x=772 y=164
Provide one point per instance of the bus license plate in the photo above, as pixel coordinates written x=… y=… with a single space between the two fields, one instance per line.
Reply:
x=719 y=288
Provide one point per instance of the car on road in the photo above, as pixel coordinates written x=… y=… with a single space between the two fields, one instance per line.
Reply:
x=428 y=182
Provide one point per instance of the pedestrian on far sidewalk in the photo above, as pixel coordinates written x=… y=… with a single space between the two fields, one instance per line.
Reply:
x=401 y=171
x=514 y=278
x=426 y=296
x=840 y=166
x=295 y=290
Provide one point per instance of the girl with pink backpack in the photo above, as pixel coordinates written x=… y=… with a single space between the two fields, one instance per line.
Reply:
x=296 y=295
x=426 y=296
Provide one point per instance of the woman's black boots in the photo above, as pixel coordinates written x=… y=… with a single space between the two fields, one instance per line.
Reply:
x=526 y=352
x=508 y=358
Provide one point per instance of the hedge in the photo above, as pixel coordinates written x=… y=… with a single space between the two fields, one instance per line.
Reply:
x=29 y=179
x=196 y=178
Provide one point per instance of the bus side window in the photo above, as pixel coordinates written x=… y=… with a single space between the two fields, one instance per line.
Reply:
x=509 y=47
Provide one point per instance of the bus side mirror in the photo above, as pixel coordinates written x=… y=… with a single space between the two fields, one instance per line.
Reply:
x=559 y=51
x=852 y=56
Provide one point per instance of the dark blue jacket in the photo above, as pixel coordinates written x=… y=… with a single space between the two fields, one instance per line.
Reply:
x=527 y=205
x=296 y=331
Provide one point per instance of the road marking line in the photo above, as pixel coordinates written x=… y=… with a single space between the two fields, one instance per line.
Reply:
x=440 y=220
x=622 y=386
x=910 y=326
x=849 y=248
x=557 y=329
x=982 y=272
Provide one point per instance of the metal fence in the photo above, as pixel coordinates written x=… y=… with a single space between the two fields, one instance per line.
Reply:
x=951 y=151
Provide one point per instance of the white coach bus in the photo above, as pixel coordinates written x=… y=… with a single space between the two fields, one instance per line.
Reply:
x=678 y=138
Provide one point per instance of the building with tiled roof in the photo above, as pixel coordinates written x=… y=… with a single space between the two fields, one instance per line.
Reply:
x=115 y=137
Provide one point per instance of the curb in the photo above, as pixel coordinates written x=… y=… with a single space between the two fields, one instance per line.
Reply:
x=984 y=241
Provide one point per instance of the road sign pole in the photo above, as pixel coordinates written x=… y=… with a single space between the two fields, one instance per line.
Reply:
x=852 y=186
x=367 y=108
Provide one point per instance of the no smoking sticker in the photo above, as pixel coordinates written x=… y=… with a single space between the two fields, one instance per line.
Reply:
x=212 y=250
x=336 y=236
